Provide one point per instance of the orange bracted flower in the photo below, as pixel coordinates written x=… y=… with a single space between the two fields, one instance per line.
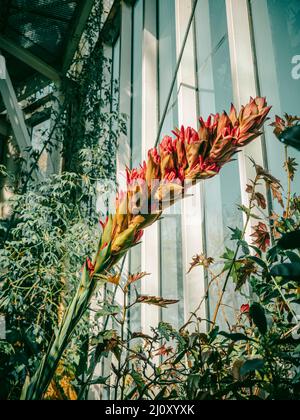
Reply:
x=251 y=120
x=168 y=154
x=153 y=166
x=189 y=156
x=90 y=266
x=171 y=169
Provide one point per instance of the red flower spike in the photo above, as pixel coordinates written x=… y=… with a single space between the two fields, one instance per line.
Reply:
x=191 y=155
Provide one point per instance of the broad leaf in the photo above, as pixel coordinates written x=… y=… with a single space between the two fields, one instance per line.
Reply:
x=288 y=271
x=290 y=240
x=257 y=313
x=259 y=262
x=251 y=366
x=236 y=234
x=291 y=137
x=292 y=256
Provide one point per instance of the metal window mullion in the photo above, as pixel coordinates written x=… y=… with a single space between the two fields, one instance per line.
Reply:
x=192 y=209
x=244 y=84
x=150 y=245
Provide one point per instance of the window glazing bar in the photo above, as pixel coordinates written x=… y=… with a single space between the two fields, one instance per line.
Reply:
x=244 y=83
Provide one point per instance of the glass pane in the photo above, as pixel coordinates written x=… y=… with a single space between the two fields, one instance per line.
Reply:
x=137 y=64
x=222 y=193
x=136 y=133
x=170 y=225
x=172 y=269
x=167 y=63
x=41 y=132
x=277 y=43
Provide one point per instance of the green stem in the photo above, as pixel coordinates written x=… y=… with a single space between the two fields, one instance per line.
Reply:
x=85 y=387
x=119 y=375
x=288 y=204
x=214 y=320
x=284 y=299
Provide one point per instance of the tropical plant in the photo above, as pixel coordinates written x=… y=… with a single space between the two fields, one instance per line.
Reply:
x=154 y=186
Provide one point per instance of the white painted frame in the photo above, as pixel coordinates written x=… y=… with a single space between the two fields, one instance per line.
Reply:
x=244 y=83
x=192 y=208
x=150 y=315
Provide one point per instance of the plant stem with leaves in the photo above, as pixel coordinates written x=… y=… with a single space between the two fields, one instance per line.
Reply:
x=234 y=260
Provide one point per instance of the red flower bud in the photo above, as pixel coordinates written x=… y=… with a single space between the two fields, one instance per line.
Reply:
x=245 y=308
x=90 y=266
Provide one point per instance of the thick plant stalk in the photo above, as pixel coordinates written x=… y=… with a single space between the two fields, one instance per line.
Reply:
x=288 y=203
x=43 y=376
x=161 y=181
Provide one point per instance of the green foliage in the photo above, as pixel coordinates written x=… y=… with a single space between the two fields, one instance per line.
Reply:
x=53 y=224
x=40 y=266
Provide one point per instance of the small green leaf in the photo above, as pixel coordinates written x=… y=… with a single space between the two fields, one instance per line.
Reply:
x=257 y=250
x=235 y=337
x=245 y=247
x=179 y=357
x=272 y=254
x=251 y=366
x=228 y=255
x=236 y=234
x=138 y=379
x=99 y=381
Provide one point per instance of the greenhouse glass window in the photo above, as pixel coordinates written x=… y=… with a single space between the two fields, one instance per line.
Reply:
x=136 y=137
x=171 y=270
x=278 y=65
x=40 y=132
x=221 y=194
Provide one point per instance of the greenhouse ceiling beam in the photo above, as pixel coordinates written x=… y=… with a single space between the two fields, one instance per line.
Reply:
x=30 y=59
x=14 y=112
x=76 y=32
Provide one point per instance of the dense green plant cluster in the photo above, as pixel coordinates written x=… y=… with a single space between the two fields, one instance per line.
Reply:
x=53 y=223
x=39 y=266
